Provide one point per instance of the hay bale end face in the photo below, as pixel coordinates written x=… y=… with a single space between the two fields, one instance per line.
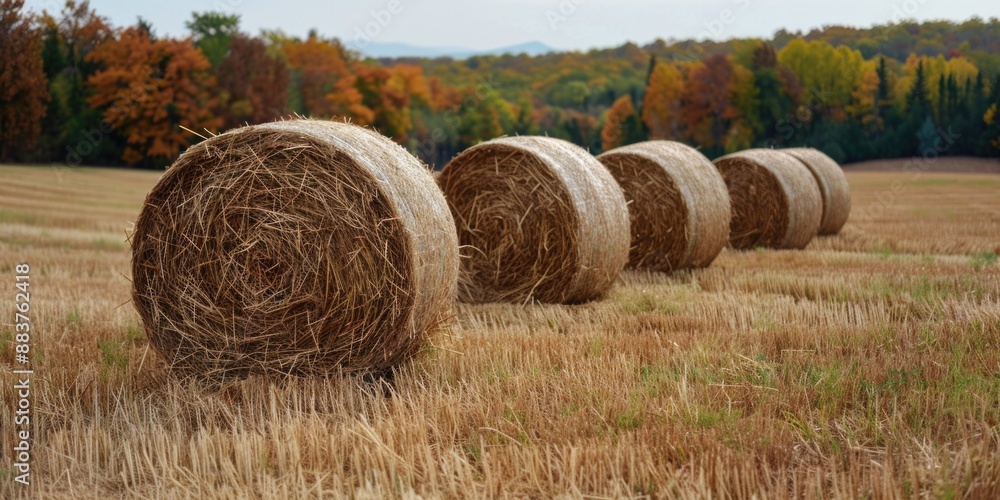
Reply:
x=678 y=204
x=833 y=187
x=293 y=247
x=775 y=200
x=538 y=219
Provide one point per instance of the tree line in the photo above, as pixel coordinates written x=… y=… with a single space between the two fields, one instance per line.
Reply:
x=76 y=90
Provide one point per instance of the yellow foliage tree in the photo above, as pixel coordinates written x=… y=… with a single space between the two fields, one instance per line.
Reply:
x=828 y=73
x=865 y=107
x=661 y=109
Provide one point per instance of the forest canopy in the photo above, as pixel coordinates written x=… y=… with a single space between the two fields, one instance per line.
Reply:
x=78 y=90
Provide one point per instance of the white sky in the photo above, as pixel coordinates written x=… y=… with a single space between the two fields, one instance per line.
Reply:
x=563 y=24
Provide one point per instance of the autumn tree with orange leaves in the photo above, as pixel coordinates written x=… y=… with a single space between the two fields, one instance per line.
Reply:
x=321 y=73
x=148 y=89
x=391 y=93
x=622 y=125
x=23 y=85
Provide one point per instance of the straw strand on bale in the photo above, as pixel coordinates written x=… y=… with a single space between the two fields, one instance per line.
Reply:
x=293 y=247
x=678 y=204
x=775 y=201
x=538 y=218
x=833 y=187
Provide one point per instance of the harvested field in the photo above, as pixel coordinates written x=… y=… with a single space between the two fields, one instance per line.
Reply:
x=865 y=365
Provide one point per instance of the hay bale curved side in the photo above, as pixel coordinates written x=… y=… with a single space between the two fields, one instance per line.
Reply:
x=775 y=200
x=538 y=219
x=678 y=204
x=293 y=247
x=833 y=186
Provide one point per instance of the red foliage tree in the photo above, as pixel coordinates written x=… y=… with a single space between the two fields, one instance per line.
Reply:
x=23 y=86
x=706 y=104
x=253 y=84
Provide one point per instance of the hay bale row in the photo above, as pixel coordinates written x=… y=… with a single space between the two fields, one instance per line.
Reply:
x=539 y=219
x=776 y=202
x=678 y=204
x=833 y=187
x=309 y=246
x=293 y=247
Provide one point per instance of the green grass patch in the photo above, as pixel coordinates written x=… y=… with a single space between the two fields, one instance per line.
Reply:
x=981 y=260
x=947 y=213
x=107 y=244
x=134 y=333
x=113 y=357
x=6 y=342
x=73 y=319
x=956 y=181
x=630 y=420
x=14 y=216
x=647 y=302
x=884 y=253
x=595 y=346
x=709 y=416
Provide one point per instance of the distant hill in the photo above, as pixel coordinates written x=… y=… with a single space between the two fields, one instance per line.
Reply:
x=380 y=50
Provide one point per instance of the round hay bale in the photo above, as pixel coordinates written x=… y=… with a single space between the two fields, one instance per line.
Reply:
x=833 y=187
x=775 y=201
x=678 y=204
x=538 y=218
x=293 y=247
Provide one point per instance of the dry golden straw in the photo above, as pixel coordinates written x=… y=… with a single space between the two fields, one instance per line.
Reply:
x=678 y=204
x=833 y=187
x=293 y=247
x=775 y=200
x=539 y=219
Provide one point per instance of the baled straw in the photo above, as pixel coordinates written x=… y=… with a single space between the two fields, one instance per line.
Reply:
x=293 y=247
x=678 y=204
x=775 y=200
x=833 y=187
x=539 y=219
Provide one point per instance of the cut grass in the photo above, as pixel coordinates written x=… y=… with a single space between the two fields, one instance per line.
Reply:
x=866 y=365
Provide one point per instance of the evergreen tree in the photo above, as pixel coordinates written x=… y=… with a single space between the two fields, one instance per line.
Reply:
x=919 y=99
x=928 y=138
x=883 y=81
x=942 y=103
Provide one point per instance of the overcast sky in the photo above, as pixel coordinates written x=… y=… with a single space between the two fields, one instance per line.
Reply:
x=564 y=24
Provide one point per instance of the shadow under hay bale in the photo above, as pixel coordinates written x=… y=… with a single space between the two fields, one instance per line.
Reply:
x=538 y=218
x=833 y=187
x=775 y=200
x=678 y=204
x=293 y=247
